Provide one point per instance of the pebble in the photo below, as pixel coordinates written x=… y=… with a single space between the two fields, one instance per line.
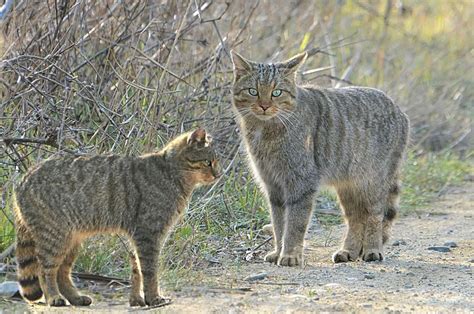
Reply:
x=409 y=285
x=443 y=249
x=9 y=288
x=410 y=274
x=451 y=244
x=369 y=276
x=255 y=277
x=399 y=242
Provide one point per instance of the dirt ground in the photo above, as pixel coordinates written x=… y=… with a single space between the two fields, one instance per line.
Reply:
x=412 y=278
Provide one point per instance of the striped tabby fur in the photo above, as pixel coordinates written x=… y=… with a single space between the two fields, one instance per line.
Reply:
x=301 y=137
x=64 y=200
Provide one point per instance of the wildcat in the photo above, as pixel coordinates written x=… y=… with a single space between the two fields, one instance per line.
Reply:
x=301 y=137
x=64 y=200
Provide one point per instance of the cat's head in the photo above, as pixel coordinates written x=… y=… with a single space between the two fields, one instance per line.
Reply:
x=265 y=90
x=194 y=155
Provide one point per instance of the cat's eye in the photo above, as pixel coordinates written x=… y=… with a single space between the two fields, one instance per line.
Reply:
x=276 y=93
x=208 y=163
x=253 y=92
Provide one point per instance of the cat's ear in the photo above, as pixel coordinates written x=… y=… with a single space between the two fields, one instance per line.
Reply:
x=291 y=65
x=241 y=65
x=198 y=137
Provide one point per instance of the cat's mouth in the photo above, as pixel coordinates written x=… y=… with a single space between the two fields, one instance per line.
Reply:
x=265 y=114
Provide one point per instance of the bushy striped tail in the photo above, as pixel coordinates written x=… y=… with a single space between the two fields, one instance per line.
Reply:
x=28 y=267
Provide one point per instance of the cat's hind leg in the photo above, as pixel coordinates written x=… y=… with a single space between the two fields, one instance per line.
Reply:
x=355 y=210
x=373 y=245
x=65 y=284
x=50 y=256
x=136 y=298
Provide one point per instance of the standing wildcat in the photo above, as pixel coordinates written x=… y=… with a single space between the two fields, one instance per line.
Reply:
x=64 y=200
x=299 y=137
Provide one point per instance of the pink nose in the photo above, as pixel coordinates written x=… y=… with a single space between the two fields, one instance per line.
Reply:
x=265 y=105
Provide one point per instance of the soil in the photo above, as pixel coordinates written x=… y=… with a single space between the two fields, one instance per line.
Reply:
x=411 y=278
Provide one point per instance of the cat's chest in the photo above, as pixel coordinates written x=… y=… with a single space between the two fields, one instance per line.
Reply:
x=268 y=152
x=262 y=142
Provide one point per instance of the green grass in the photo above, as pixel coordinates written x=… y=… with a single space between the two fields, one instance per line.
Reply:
x=426 y=177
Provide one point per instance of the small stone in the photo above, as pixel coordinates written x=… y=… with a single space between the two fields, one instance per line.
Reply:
x=366 y=305
x=471 y=260
x=383 y=270
x=451 y=244
x=9 y=288
x=410 y=274
x=409 y=286
x=255 y=277
x=369 y=276
x=442 y=249
x=351 y=279
x=399 y=242
x=424 y=277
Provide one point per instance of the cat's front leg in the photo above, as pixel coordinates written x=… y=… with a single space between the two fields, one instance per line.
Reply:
x=148 y=250
x=277 y=211
x=298 y=215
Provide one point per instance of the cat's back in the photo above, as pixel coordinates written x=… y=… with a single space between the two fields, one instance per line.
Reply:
x=83 y=183
x=354 y=102
x=65 y=170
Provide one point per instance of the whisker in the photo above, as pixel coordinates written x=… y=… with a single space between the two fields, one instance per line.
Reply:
x=285 y=118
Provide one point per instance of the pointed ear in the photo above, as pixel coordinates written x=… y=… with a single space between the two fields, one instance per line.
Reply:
x=291 y=65
x=198 y=137
x=241 y=65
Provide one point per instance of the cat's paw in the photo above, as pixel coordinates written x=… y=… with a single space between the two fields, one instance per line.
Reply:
x=344 y=256
x=82 y=300
x=272 y=257
x=372 y=256
x=158 y=301
x=290 y=260
x=57 y=300
x=136 y=301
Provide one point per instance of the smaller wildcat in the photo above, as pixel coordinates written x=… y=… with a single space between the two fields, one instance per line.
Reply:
x=64 y=200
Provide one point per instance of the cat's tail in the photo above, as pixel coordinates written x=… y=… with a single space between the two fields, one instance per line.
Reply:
x=391 y=211
x=28 y=266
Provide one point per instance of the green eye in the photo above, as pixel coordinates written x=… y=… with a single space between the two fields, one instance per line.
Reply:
x=276 y=93
x=253 y=92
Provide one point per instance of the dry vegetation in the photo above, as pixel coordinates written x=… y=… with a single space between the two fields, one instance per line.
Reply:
x=80 y=77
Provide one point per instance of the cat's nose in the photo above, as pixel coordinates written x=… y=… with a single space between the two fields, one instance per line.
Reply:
x=265 y=105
